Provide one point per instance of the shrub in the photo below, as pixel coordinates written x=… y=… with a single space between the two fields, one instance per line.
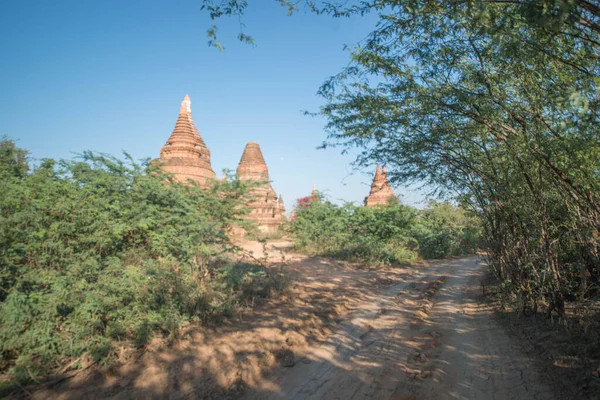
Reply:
x=373 y=235
x=382 y=235
x=320 y=228
x=443 y=230
x=100 y=250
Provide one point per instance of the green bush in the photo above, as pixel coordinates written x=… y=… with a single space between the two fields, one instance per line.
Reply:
x=100 y=250
x=388 y=234
x=320 y=228
x=443 y=230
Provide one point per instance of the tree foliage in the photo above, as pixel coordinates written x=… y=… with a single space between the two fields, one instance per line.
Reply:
x=502 y=112
x=495 y=103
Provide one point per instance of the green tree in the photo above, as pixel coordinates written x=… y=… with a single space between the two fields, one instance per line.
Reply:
x=445 y=230
x=480 y=102
x=493 y=103
x=13 y=161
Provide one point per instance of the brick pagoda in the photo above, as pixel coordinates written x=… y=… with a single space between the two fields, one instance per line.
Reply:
x=266 y=209
x=381 y=191
x=185 y=154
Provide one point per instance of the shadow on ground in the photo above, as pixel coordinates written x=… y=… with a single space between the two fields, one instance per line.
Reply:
x=227 y=360
x=342 y=333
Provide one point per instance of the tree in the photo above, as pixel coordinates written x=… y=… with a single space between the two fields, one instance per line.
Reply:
x=582 y=16
x=13 y=160
x=495 y=103
x=492 y=108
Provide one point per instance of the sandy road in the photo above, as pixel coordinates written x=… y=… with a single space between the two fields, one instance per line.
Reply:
x=344 y=333
x=453 y=350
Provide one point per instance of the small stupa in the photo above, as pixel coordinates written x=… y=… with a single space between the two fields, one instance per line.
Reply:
x=185 y=154
x=381 y=191
x=266 y=209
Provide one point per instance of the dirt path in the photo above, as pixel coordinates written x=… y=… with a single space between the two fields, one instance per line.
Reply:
x=400 y=333
x=411 y=343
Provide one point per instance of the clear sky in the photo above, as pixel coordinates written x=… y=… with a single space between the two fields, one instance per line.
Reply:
x=108 y=75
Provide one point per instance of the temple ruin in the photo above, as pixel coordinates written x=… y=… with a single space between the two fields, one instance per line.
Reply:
x=266 y=209
x=381 y=191
x=185 y=154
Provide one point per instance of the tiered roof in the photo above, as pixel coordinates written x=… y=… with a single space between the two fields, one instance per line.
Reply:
x=252 y=165
x=266 y=209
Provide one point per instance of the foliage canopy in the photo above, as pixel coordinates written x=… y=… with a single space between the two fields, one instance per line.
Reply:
x=494 y=103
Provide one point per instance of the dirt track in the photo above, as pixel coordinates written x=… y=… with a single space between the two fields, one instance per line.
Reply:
x=413 y=333
x=385 y=351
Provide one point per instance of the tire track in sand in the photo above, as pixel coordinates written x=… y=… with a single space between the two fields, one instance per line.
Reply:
x=400 y=345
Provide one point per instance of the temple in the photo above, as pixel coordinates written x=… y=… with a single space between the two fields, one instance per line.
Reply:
x=185 y=154
x=381 y=191
x=266 y=209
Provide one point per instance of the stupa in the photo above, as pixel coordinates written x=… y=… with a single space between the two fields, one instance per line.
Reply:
x=185 y=154
x=266 y=209
x=381 y=191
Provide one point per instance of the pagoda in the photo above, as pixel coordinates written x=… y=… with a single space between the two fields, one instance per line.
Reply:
x=185 y=154
x=381 y=191
x=266 y=209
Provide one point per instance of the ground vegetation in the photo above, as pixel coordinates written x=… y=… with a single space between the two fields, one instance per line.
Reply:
x=382 y=235
x=99 y=254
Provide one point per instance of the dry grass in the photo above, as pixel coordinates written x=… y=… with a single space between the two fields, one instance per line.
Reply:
x=566 y=351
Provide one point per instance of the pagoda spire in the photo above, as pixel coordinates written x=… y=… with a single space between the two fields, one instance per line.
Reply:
x=314 y=195
x=252 y=164
x=381 y=190
x=266 y=210
x=185 y=154
x=186 y=105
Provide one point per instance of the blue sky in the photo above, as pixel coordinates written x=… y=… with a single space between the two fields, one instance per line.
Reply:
x=109 y=76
